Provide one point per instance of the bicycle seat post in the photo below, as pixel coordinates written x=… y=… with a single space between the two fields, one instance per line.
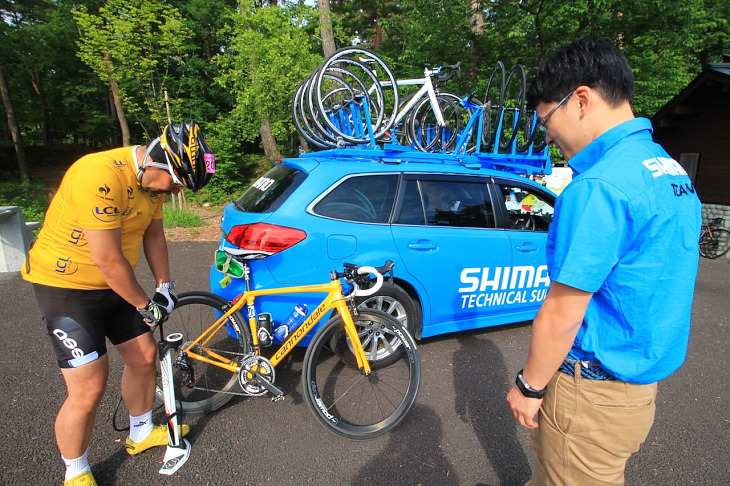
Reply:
x=247 y=275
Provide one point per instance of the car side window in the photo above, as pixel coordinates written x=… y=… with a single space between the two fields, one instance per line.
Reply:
x=529 y=209
x=447 y=203
x=367 y=199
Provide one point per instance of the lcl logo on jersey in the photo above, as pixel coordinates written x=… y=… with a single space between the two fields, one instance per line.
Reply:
x=105 y=213
x=118 y=164
x=76 y=238
x=66 y=266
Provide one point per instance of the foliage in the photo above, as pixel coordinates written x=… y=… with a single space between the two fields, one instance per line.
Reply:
x=33 y=199
x=233 y=65
x=268 y=56
x=138 y=44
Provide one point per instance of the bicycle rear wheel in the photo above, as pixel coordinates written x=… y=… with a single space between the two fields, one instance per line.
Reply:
x=716 y=245
x=424 y=130
x=204 y=387
x=348 y=403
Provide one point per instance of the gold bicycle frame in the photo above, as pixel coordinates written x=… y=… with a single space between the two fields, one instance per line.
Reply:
x=333 y=301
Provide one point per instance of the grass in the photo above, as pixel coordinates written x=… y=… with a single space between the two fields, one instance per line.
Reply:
x=180 y=218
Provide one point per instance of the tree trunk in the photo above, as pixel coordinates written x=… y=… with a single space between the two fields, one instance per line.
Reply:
x=268 y=141
x=123 y=125
x=477 y=28
x=378 y=31
x=325 y=26
x=35 y=80
x=14 y=130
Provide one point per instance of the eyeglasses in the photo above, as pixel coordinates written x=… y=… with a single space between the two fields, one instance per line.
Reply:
x=541 y=124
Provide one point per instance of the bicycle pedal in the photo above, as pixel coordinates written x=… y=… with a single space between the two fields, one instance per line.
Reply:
x=277 y=398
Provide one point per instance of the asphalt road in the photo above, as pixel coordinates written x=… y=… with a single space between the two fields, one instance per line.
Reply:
x=460 y=431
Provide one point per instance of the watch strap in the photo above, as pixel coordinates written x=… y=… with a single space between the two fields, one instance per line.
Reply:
x=526 y=390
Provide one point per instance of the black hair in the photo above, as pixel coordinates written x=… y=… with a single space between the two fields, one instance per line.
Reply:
x=593 y=62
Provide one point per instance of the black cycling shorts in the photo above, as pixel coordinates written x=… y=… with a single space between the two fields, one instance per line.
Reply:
x=79 y=321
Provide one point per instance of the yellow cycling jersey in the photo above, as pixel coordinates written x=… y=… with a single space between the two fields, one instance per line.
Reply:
x=100 y=191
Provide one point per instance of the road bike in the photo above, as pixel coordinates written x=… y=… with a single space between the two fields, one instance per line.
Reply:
x=714 y=239
x=429 y=119
x=360 y=374
x=353 y=99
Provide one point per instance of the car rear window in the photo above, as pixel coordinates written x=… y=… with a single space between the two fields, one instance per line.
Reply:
x=367 y=198
x=270 y=190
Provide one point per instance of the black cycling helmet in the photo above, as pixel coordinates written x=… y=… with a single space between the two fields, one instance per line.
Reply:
x=183 y=151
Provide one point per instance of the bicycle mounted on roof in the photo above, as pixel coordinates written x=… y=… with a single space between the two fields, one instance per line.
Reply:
x=344 y=104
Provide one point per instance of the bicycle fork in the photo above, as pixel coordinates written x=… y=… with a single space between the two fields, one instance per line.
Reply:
x=178 y=448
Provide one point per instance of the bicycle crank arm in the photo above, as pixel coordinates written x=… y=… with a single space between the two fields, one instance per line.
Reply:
x=278 y=394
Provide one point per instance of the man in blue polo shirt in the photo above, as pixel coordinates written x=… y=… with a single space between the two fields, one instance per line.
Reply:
x=623 y=257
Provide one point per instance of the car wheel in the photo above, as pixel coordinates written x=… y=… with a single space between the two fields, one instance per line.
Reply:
x=379 y=346
x=396 y=302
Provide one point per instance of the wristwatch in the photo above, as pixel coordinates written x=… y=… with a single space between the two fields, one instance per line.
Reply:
x=526 y=389
x=166 y=285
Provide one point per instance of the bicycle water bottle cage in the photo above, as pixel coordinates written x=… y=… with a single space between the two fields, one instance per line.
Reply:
x=232 y=261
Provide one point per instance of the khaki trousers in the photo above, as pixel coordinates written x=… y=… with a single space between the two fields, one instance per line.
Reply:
x=589 y=429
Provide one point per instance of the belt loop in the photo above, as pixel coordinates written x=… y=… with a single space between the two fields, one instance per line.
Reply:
x=578 y=371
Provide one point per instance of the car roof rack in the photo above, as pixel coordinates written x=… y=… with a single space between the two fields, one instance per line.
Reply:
x=520 y=163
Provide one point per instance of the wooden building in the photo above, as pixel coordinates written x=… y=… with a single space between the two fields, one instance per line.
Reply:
x=694 y=128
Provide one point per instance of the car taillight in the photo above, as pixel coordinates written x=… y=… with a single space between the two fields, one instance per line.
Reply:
x=264 y=237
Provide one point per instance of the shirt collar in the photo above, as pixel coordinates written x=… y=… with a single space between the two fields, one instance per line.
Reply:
x=594 y=151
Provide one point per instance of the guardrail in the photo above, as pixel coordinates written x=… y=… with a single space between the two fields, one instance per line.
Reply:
x=15 y=237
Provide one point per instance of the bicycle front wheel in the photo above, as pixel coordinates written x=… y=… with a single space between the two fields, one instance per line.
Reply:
x=202 y=387
x=345 y=401
x=716 y=245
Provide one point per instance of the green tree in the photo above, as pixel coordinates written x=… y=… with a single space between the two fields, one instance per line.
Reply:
x=132 y=45
x=268 y=56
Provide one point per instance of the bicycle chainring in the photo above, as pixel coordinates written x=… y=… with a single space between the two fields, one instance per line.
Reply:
x=249 y=381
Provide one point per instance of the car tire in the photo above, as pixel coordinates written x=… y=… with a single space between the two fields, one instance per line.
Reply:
x=393 y=300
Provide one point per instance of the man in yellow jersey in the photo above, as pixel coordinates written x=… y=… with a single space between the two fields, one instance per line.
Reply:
x=82 y=269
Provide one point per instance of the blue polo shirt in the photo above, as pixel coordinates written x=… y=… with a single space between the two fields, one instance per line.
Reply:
x=626 y=228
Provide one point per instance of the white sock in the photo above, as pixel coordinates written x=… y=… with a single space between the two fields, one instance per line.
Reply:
x=77 y=466
x=140 y=427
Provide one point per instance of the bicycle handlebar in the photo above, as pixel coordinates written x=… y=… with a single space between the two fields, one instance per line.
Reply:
x=449 y=73
x=360 y=276
x=358 y=292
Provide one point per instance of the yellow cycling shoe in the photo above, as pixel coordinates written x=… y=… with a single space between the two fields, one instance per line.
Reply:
x=83 y=479
x=158 y=437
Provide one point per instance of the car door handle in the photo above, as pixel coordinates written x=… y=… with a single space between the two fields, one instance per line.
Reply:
x=423 y=245
x=526 y=247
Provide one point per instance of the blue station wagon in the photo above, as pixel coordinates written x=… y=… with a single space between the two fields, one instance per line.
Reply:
x=467 y=237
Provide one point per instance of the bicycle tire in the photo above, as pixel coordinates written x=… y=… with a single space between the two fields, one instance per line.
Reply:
x=716 y=245
x=346 y=402
x=388 y=105
x=425 y=133
x=339 y=86
x=302 y=124
x=494 y=100
x=511 y=116
x=536 y=140
x=195 y=312
x=476 y=140
x=342 y=106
